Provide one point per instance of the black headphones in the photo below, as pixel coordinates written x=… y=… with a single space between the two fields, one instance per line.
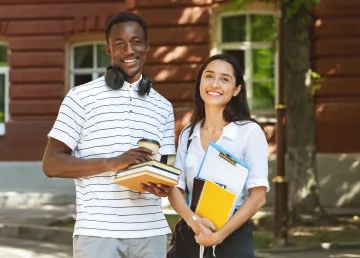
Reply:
x=115 y=80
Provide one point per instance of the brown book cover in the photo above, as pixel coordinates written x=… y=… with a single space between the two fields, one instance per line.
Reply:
x=134 y=180
x=198 y=185
x=135 y=175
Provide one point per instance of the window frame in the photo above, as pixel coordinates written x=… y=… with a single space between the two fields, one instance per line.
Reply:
x=79 y=71
x=5 y=70
x=247 y=46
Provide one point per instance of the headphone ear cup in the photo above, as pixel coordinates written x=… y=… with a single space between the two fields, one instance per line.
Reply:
x=114 y=78
x=145 y=85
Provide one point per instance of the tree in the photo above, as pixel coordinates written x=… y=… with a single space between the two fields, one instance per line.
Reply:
x=300 y=118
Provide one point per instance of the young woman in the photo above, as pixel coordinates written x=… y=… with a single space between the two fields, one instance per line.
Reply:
x=221 y=114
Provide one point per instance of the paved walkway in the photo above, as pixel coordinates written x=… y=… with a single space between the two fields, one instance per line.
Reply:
x=20 y=248
x=354 y=253
x=43 y=215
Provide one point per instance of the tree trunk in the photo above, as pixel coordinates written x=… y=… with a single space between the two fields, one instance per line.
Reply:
x=301 y=166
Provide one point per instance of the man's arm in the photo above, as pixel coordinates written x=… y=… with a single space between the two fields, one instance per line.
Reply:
x=167 y=148
x=58 y=161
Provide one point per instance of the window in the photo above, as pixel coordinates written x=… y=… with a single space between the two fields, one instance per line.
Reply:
x=88 y=62
x=249 y=37
x=4 y=95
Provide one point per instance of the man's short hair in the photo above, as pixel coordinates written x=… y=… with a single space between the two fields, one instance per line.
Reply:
x=125 y=17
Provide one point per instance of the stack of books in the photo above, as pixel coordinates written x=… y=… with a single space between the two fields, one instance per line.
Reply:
x=218 y=185
x=149 y=172
x=213 y=201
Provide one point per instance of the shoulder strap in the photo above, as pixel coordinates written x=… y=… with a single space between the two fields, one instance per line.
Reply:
x=187 y=148
x=189 y=140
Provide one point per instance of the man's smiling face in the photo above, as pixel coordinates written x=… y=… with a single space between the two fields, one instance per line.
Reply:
x=127 y=48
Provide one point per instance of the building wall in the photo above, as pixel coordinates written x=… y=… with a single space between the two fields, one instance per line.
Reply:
x=179 y=36
x=39 y=35
x=336 y=56
x=37 y=32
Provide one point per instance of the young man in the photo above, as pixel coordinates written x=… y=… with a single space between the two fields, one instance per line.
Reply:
x=95 y=136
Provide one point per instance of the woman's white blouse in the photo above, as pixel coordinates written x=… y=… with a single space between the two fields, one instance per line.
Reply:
x=244 y=140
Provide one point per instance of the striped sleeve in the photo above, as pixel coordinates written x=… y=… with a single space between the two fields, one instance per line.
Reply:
x=168 y=139
x=70 y=122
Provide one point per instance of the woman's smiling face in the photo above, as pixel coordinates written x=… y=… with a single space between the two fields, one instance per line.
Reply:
x=218 y=84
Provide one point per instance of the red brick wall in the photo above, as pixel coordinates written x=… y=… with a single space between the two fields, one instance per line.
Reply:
x=336 y=56
x=179 y=36
x=36 y=32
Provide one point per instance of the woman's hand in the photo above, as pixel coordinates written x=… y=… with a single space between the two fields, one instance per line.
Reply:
x=207 y=235
x=196 y=221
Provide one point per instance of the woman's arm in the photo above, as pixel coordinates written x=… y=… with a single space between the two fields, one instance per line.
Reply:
x=256 y=156
x=248 y=209
x=178 y=202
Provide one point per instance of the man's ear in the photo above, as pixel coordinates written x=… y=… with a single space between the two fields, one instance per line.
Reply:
x=107 y=48
x=237 y=90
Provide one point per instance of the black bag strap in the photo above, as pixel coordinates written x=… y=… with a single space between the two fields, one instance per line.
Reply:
x=187 y=148
x=189 y=140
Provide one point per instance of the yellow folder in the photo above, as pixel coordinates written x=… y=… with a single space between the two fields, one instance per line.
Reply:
x=216 y=203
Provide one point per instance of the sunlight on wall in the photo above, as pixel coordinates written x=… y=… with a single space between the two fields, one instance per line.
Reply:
x=160 y=51
x=355 y=190
x=163 y=75
x=318 y=23
x=176 y=53
x=190 y=15
x=355 y=165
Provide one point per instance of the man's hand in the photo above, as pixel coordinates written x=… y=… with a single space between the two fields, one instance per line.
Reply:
x=131 y=157
x=159 y=190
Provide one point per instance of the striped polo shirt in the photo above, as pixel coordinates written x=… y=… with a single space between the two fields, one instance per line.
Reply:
x=98 y=122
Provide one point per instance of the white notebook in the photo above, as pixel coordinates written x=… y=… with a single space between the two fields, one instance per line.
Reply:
x=222 y=167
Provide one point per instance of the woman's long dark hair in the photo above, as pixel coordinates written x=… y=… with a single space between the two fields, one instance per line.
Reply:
x=237 y=110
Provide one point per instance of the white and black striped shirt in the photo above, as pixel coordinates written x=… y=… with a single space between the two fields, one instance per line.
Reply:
x=98 y=122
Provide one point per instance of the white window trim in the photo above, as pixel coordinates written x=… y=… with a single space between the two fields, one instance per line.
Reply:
x=5 y=70
x=94 y=71
x=260 y=114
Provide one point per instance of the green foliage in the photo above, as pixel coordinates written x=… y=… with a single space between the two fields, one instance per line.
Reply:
x=315 y=82
x=172 y=219
x=263 y=68
x=291 y=6
x=263 y=241
x=3 y=55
